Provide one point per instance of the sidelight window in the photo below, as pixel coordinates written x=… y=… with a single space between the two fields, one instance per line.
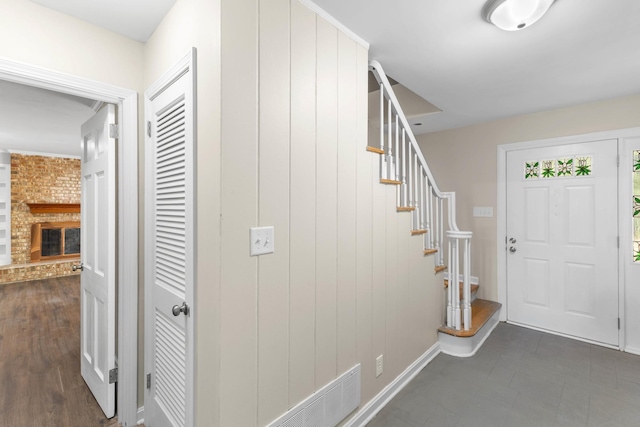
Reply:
x=636 y=205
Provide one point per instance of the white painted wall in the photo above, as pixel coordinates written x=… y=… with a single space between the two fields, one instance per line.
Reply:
x=42 y=37
x=464 y=161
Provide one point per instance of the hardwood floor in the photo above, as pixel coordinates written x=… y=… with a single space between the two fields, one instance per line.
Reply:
x=40 y=381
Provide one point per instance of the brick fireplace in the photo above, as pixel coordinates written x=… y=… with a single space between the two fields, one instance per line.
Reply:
x=42 y=181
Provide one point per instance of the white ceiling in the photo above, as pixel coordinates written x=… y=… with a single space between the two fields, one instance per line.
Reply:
x=136 y=19
x=38 y=120
x=444 y=51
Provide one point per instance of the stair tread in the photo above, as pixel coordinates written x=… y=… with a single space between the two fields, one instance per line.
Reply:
x=482 y=310
x=440 y=268
x=419 y=232
x=430 y=251
x=375 y=149
x=474 y=287
x=405 y=209
x=390 y=182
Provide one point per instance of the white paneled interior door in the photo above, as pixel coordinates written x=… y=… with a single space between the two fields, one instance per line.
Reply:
x=98 y=278
x=562 y=239
x=170 y=246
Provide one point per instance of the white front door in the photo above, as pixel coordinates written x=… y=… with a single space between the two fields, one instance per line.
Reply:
x=98 y=278
x=562 y=239
x=170 y=246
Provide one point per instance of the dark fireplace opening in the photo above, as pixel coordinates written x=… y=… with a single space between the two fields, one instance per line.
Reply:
x=72 y=241
x=51 y=240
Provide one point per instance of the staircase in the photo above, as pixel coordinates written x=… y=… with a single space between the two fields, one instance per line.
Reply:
x=469 y=321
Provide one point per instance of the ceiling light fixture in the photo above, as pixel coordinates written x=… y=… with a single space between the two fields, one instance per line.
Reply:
x=513 y=15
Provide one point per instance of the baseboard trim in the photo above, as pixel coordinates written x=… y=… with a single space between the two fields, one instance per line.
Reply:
x=140 y=416
x=371 y=409
x=632 y=350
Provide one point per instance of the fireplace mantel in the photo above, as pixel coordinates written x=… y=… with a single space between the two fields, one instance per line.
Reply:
x=49 y=208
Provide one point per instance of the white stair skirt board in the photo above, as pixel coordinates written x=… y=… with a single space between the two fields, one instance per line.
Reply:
x=468 y=346
x=367 y=412
x=328 y=406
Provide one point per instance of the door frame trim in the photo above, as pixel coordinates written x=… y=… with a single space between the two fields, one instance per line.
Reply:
x=501 y=214
x=127 y=214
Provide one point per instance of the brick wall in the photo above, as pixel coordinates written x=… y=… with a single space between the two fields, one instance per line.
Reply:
x=38 y=179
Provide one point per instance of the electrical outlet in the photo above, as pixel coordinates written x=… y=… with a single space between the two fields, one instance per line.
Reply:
x=483 y=212
x=379 y=366
x=262 y=240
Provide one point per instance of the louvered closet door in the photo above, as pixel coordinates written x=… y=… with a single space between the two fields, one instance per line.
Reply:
x=170 y=243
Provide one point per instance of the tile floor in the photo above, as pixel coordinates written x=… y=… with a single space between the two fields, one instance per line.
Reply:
x=519 y=378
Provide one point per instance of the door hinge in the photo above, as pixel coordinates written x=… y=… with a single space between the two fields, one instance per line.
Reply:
x=113 y=376
x=618 y=161
x=148 y=381
x=618 y=323
x=114 y=131
x=149 y=128
x=618 y=242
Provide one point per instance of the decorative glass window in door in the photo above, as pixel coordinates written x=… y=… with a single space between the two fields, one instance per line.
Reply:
x=636 y=206
x=571 y=167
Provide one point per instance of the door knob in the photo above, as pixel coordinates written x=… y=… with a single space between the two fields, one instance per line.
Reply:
x=77 y=267
x=184 y=308
x=512 y=249
x=512 y=240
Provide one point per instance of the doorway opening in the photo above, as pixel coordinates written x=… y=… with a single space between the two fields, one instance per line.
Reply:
x=127 y=214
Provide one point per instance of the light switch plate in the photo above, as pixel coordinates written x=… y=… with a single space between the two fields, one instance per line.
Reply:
x=261 y=240
x=483 y=212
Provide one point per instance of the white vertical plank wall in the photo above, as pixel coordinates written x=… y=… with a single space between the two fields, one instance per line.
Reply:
x=347 y=282
x=406 y=244
x=366 y=179
x=326 y=202
x=346 y=202
x=238 y=317
x=303 y=208
x=274 y=165
x=391 y=364
x=379 y=330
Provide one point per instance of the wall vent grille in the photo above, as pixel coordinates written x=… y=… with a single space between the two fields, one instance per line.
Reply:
x=328 y=406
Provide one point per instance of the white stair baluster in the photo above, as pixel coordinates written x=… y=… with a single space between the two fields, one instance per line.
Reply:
x=390 y=166
x=467 y=284
x=430 y=235
x=404 y=168
x=397 y=152
x=383 y=157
